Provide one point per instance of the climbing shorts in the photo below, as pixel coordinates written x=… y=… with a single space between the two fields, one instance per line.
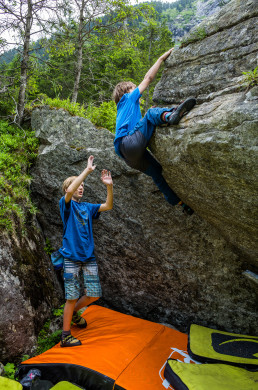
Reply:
x=72 y=271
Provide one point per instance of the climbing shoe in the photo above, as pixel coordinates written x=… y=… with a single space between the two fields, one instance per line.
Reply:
x=181 y=110
x=187 y=209
x=79 y=321
x=69 y=341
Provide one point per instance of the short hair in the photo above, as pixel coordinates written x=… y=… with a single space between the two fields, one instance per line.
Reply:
x=68 y=182
x=122 y=88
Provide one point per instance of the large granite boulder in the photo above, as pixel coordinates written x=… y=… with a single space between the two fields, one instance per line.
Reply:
x=154 y=261
x=213 y=151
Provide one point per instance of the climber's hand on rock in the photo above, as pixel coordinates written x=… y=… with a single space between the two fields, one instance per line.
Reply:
x=165 y=55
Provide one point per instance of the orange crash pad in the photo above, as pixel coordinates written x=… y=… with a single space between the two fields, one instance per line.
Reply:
x=118 y=352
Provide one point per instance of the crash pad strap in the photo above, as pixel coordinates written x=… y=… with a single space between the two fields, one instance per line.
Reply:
x=185 y=376
x=208 y=345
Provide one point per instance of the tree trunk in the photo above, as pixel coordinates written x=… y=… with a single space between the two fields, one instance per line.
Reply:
x=79 y=55
x=24 y=63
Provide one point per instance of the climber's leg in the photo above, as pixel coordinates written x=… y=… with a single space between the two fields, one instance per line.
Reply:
x=153 y=169
x=132 y=147
x=152 y=118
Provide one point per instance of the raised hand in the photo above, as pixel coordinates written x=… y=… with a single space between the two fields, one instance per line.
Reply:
x=106 y=177
x=165 y=55
x=90 y=165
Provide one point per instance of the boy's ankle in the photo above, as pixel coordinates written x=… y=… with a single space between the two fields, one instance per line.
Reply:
x=65 y=333
x=165 y=115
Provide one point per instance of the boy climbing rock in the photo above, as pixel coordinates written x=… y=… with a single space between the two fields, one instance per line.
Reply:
x=78 y=248
x=133 y=132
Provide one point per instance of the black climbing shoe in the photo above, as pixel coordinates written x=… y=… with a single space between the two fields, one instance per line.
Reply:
x=69 y=341
x=187 y=209
x=79 y=321
x=181 y=110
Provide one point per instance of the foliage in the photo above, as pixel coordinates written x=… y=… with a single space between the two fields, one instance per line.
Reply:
x=170 y=14
x=46 y=339
x=197 y=35
x=48 y=247
x=59 y=312
x=10 y=78
x=124 y=52
x=104 y=115
x=75 y=109
x=250 y=78
x=9 y=370
x=25 y=357
x=18 y=150
x=187 y=14
x=139 y=35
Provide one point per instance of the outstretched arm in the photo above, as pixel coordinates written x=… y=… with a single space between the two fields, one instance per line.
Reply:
x=150 y=75
x=76 y=183
x=107 y=180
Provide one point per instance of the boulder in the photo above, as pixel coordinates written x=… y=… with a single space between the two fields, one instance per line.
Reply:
x=213 y=150
x=154 y=261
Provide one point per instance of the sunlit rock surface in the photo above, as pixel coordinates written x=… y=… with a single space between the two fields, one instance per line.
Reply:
x=213 y=151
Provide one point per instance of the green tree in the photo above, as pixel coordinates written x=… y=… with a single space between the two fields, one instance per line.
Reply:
x=157 y=40
x=22 y=19
x=83 y=19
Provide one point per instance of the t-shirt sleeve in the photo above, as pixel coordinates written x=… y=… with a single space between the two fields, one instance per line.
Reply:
x=65 y=209
x=94 y=210
x=135 y=95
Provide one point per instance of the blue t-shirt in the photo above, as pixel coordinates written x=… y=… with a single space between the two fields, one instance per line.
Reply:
x=128 y=115
x=78 y=243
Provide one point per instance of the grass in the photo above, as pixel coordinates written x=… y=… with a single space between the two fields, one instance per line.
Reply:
x=198 y=35
x=250 y=78
x=101 y=116
x=18 y=151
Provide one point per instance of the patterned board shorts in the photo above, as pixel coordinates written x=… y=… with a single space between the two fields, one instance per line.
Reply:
x=72 y=278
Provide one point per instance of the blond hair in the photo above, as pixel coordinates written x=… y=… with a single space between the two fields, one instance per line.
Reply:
x=122 y=88
x=68 y=182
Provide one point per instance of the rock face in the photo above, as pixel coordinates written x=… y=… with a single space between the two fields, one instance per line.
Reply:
x=154 y=261
x=28 y=291
x=215 y=147
x=201 y=9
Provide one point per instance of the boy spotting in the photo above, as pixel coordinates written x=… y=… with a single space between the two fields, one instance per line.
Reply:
x=78 y=248
x=133 y=132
